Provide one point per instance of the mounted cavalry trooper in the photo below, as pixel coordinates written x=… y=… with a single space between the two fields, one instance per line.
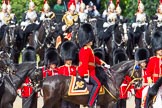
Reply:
x=158 y=16
x=111 y=17
x=69 y=19
x=30 y=17
x=88 y=61
x=46 y=14
x=13 y=19
x=4 y=19
x=83 y=17
x=140 y=19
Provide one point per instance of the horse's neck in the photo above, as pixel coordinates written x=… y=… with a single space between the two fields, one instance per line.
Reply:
x=19 y=79
x=121 y=73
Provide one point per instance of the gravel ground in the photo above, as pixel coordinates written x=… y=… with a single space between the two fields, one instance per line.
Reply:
x=18 y=103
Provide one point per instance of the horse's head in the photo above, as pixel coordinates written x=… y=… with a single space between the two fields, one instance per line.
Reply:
x=136 y=74
x=6 y=64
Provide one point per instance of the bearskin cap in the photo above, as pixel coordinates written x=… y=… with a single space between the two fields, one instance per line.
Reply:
x=157 y=41
x=142 y=54
x=51 y=57
x=4 y=6
x=85 y=34
x=68 y=50
x=29 y=54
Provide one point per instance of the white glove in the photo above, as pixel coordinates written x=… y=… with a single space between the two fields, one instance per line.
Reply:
x=132 y=91
x=129 y=94
x=107 y=66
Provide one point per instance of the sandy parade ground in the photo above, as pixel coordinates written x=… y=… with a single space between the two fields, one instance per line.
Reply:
x=18 y=103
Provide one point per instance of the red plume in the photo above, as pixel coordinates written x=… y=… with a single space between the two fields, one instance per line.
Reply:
x=160 y=1
x=45 y=1
x=8 y=2
x=139 y=2
x=117 y=2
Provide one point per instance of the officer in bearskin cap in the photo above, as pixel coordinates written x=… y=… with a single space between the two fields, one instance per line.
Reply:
x=51 y=62
x=141 y=56
x=46 y=14
x=28 y=55
x=154 y=67
x=69 y=55
x=87 y=60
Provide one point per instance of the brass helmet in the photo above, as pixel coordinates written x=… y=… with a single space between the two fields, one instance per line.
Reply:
x=31 y=4
x=140 y=5
x=82 y=5
x=4 y=6
x=46 y=6
x=111 y=5
x=118 y=9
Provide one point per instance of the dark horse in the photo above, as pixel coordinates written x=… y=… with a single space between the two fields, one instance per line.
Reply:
x=12 y=42
x=112 y=38
x=55 y=88
x=13 y=80
x=142 y=37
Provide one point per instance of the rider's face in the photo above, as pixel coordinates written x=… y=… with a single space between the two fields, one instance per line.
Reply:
x=159 y=52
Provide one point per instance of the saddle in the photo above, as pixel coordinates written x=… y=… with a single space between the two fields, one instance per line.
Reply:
x=79 y=87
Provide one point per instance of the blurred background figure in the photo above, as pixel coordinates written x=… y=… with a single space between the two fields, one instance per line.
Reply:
x=46 y=13
x=91 y=10
x=59 y=7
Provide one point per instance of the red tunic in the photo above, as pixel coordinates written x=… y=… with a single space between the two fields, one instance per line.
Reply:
x=49 y=72
x=67 y=70
x=123 y=88
x=87 y=62
x=26 y=90
x=154 y=68
x=138 y=91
